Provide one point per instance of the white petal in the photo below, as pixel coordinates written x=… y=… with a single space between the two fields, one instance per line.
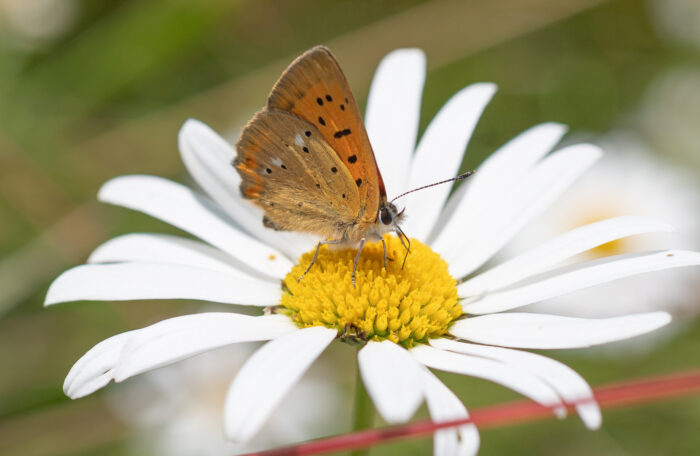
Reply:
x=509 y=376
x=393 y=380
x=208 y=157
x=543 y=257
x=126 y=281
x=495 y=176
x=529 y=330
x=576 y=277
x=164 y=248
x=393 y=112
x=443 y=405
x=510 y=212
x=95 y=369
x=445 y=442
x=565 y=381
x=267 y=376
x=514 y=160
x=181 y=207
x=439 y=155
x=178 y=338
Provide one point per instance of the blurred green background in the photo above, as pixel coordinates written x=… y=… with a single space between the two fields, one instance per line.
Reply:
x=94 y=89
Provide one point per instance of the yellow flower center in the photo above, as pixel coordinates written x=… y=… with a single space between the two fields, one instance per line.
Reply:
x=405 y=306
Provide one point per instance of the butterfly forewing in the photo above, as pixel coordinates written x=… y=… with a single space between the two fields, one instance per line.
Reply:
x=289 y=170
x=314 y=88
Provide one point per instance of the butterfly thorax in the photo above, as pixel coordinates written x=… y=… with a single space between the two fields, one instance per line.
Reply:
x=387 y=220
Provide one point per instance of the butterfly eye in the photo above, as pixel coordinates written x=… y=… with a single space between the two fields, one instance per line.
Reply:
x=385 y=216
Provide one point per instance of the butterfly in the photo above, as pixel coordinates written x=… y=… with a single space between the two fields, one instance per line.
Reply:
x=306 y=160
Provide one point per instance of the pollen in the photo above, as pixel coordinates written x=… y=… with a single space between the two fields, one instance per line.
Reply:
x=406 y=305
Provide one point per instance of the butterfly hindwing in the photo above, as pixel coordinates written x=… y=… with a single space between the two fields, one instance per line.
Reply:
x=289 y=170
x=314 y=88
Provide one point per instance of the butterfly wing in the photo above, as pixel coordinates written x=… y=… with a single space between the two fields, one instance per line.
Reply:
x=314 y=88
x=289 y=170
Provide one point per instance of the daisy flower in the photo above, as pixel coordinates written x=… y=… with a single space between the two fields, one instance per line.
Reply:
x=435 y=313
x=176 y=410
x=628 y=180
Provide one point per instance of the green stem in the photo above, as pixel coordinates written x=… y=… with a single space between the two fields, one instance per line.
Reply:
x=363 y=415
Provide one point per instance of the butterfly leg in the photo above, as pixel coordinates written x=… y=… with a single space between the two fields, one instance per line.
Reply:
x=313 y=260
x=384 y=245
x=357 y=260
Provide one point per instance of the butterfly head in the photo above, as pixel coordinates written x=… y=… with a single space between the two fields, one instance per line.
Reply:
x=388 y=219
x=389 y=216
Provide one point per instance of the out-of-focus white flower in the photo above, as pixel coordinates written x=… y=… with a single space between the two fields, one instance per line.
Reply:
x=629 y=180
x=677 y=19
x=669 y=114
x=178 y=410
x=31 y=23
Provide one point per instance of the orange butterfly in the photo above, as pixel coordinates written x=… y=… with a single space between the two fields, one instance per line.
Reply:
x=306 y=160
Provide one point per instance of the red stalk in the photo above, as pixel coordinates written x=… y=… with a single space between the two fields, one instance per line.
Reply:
x=610 y=396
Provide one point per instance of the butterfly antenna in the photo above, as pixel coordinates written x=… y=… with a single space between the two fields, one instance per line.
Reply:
x=405 y=241
x=460 y=177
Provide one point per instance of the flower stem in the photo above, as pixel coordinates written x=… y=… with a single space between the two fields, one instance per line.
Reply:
x=363 y=415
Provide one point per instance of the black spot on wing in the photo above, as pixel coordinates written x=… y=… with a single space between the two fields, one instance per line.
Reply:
x=268 y=170
x=319 y=101
x=307 y=133
x=352 y=158
x=305 y=149
x=334 y=169
x=341 y=133
x=358 y=182
x=268 y=223
x=321 y=121
x=329 y=98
